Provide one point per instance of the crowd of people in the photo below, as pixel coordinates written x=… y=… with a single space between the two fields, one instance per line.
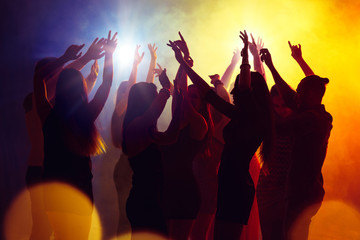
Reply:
x=219 y=159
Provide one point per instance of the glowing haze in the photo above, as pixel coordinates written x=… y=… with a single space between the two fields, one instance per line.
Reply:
x=328 y=30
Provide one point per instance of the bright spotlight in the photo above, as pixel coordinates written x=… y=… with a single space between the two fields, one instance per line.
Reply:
x=124 y=55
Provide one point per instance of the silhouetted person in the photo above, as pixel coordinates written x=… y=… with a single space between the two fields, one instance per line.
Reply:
x=271 y=188
x=122 y=170
x=310 y=125
x=70 y=135
x=141 y=142
x=206 y=168
x=41 y=228
x=181 y=194
x=271 y=191
x=249 y=126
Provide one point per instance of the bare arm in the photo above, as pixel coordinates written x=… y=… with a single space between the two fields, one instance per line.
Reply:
x=137 y=133
x=285 y=90
x=91 y=78
x=150 y=75
x=226 y=77
x=172 y=132
x=297 y=55
x=94 y=52
x=98 y=102
x=202 y=86
x=245 y=79
x=254 y=49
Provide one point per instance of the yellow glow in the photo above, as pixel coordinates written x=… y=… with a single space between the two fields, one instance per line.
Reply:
x=335 y=220
x=16 y=215
x=147 y=236
x=328 y=31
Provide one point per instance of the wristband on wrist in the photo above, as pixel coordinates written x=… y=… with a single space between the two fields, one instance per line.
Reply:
x=245 y=65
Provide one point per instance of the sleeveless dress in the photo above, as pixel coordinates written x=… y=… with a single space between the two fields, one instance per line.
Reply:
x=143 y=207
x=181 y=193
x=242 y=135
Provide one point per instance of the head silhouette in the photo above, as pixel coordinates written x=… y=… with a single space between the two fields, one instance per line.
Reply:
x=261 y=95
x=71 y=105
x=70 y=94
x=310 y=91
x=141 y=96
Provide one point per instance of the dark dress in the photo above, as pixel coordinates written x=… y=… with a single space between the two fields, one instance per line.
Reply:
x=63 y=165
x=242 y=135
x=143 y=206
x=181 y=193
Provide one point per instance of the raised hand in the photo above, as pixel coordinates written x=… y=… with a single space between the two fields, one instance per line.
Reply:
x=295 y=51
x=177 y=94
x=244 y=38
x=137 y=57
x=253 y=47
x=183 y=46
x=260 y=44
x=96 y=50
x=72 y=52
x=236 y=57
x=95 y=68
x=265 y=56
x=178 y=55
x=110 y=43
x=158 y=71
x=164 y=80
x=152 y=50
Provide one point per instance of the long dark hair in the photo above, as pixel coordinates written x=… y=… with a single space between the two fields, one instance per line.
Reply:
x=260 y=92
x=140 y=98
x=71 y=105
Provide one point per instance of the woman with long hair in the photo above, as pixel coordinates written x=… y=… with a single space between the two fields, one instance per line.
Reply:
x=71 y=137
x=140 y=143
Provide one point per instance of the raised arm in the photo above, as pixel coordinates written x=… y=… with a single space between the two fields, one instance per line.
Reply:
x=137 y=61
x=226 y=77
x=172 y=132
x=285 y=90
x=41 y=75
x=202 y=86
x=98 y=102
x=204 y=89
x=137 y=133
x=254 y=49
x=245 y=79
x=150 y=75
x=122 y=101
x=297 y=55
x=91 y=78
x=94 y=52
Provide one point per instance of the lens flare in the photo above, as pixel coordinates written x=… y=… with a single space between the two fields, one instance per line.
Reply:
x=60 y=196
